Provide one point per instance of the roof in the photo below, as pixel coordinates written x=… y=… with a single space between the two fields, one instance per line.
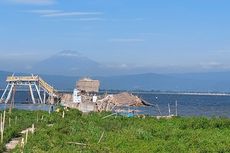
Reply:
x=88 y=85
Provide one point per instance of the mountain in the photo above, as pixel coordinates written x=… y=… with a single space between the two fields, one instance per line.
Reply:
x=68 y=63
x=72 y=63
x=63 y=69
x=208 y=81
x=198 y=82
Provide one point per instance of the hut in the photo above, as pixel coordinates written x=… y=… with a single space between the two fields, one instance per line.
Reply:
x=88 y=85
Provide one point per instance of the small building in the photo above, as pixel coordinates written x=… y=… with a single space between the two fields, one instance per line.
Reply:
x=88 y=85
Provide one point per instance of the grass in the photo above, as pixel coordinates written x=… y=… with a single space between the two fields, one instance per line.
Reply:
x=122 y=134
x=19 y=120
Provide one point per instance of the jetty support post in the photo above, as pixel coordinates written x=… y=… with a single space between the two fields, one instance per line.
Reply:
x=44 y=98
x=39 y=94
x=31 y=93
x=3 y=95
x=10 y=92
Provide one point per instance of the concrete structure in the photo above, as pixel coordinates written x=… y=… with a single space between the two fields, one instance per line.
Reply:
x=87 y=107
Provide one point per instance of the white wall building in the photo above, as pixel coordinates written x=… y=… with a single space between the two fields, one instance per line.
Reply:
x=76 y=96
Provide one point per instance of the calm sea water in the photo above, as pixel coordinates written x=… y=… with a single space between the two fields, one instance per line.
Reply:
x=23 y=101
x=188 y=105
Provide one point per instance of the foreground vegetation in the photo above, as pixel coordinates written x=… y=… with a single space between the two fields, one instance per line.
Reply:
x=14 y=123
x=77 y=132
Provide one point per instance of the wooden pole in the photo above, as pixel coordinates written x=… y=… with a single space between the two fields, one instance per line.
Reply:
x=1 y=129
x=3 y=126
x=109 y=115
x=32 y=129
x=4 y=119
x=26 y=135
x=12 y=99
x=63 y=114
x=22 y=143
x=77 y=143
x=9 y=121
x=101 y=137
x=1 y=132
x=37 y=117
x=15 y=121
x=176 y=106
x=49 y=109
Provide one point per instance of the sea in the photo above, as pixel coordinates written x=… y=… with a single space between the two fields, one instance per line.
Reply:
x=163 y=104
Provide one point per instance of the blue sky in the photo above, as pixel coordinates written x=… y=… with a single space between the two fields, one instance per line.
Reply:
x=162 y=35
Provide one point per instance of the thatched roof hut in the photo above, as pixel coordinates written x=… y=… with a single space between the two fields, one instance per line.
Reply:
x=88 y=85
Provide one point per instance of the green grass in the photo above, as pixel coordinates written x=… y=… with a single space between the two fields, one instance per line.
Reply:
x=125 y=135
x=19 y=120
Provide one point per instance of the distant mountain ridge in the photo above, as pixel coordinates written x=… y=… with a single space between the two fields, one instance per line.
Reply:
x=73 y=63
x=67 y=62
x=197 y=82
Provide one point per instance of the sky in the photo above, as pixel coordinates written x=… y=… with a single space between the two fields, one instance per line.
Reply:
x=163 y=36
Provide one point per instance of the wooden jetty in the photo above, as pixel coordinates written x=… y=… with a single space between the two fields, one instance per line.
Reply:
x=34 y=83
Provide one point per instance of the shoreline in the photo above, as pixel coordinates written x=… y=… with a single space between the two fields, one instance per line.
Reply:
x=154 y=92
x=186 y=93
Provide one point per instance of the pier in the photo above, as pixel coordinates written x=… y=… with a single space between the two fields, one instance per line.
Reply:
x=34 y=83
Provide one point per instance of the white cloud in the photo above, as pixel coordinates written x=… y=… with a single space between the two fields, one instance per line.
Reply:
x=33 y=2
x=126 y=65
x=118 y=66
x=224 y=51
x=64 y=14
x=91 y=19
x=126 y=40
x=69 y=54
x=43 y=11
x=61 y=13
x=212 y=64
x=151 y=34
x=84 y=19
